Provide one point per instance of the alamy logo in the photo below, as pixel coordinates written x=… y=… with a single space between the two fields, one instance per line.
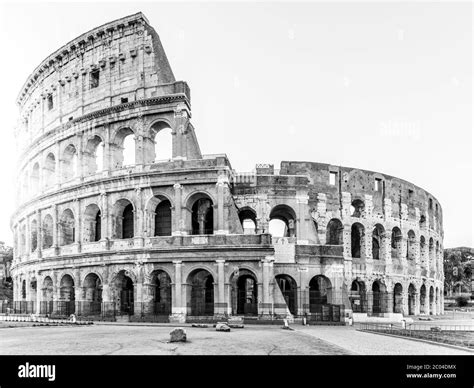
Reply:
x=37 y=371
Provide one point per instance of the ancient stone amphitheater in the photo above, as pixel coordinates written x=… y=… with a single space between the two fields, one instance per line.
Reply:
x=108 y=228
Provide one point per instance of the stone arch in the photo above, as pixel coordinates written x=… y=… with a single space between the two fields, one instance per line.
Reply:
x=358 y=296
x=49 y=170
x=92 y=285
x=159 y=207
x=320 y=292
x=201 y=207
x=47 y=290
x=411 y=245
x=423 y=256
x=334 y=232
x=432 y=301
x=67 y=228
x=379 y=297
x=248 y=219
x=423 y=299
x=357 y=240
x=69 y=163
x=92 y=224
x=47 y=231
x=123 y=291
x=161 y=133
x=200 y=292
x=244 y=289
x=286 y=217
x=67 y=295
x=396 y=242
x=398 y=298
x=431 y=252
x=377 y=242
x=289 y=290
x=123 y=146
x=35 y=178
x=33 y=235
x=411 y=299
x=123 y=224
x=94 y=155
x=161 y=293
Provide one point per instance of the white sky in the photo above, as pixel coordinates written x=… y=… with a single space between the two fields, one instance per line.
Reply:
x=385 y=87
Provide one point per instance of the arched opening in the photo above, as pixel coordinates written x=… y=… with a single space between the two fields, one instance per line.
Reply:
x=423 y=251
x=437 y=304
x=423 y=299
x=92 y=294
x=124 y=148
x=358 y=297
x=23 y=289
x=357 y=208
x=246 y=290
x=163 y=218
x=47 y=232
x=49 y=170
x=377 y=236
x=289 y=290
x=248 y=219
x=92 y=223
x=34 y=235
x=66 y=304
x=431 y=252
x=200 y=285
x=379 y=298
x=202 y=214
x=334 y=232
x=124 y=293
x=432 y=306
x=67 y=229
x=282 y=221
x=161 y=291
x=411 y=245
x=357 y=240
x=163 y=139
x=411 y=299
x=319 y=293
x=422 y=221
x=69 y=163
x=437 y=255
x=34 y=178
x=23 y=239
x=396 y=243
x=124 y=219
x=94 y=155
x=398 y=299
x=46 y=306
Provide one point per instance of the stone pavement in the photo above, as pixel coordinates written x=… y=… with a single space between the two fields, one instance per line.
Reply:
x=252 y=340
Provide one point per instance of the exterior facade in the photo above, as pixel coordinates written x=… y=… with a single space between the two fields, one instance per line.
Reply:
x=104 y=224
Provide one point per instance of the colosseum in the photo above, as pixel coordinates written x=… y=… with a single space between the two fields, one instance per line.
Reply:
x=110 y=226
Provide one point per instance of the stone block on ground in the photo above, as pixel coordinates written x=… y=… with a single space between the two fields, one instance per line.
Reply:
x=178 y=335
x=222 y=326
x=199 y=325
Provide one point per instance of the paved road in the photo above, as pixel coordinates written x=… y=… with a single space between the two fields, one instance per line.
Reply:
x=258 y=340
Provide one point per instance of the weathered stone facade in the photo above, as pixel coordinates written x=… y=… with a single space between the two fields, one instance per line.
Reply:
x=174 y=234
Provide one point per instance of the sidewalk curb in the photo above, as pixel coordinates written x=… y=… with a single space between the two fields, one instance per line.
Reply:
x=420 y=340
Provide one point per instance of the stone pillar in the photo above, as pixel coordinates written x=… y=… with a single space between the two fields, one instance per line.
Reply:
x=219 y=229
x=78 y=224
x=39 y=234
x=105 y=231
x=221 y=310
x=178 y=309
x=57 y=166
x=178 y=224
x=55 y=228
x=80 y=156
x=266 y=279
x=346 y=205
x=181 y=116
x=302 y=232
x=107 y=154
x=28 y=237
x=139 y=216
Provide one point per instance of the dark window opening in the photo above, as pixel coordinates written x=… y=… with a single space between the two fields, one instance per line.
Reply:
x=98 y=226
x=94 y=78
x=127 y=226
x=123 y=100
x=50 y=102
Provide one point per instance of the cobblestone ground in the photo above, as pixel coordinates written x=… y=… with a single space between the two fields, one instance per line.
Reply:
x=253 y=340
